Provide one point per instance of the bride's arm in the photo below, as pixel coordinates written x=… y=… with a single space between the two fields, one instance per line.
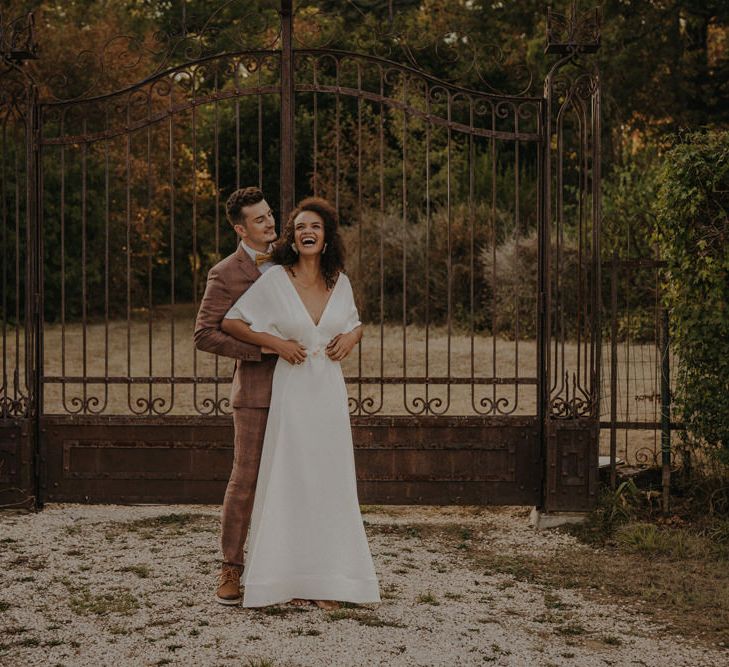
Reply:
x=290 y=350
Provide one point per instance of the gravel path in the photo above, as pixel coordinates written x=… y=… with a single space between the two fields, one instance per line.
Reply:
x=121 y=585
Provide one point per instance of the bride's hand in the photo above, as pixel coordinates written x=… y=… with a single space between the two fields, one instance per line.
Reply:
x=291 y=350
x=341 y=345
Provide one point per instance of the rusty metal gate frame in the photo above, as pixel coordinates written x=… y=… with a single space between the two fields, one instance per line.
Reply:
x=549 y=460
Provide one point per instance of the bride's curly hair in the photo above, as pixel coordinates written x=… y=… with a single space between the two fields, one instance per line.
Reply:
x=332 y=261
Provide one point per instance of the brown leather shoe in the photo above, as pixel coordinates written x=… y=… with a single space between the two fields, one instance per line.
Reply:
x=229 y=584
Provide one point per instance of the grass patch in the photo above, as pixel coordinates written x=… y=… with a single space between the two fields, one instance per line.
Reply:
x=457 y=597
x=376 y=509
x=150 y=527
x=259 y=662
x=29 y=642
x=428 y=598
x=362 y=617
x=117 y=602
x=54 y=642
x=142 y=571
x=552 y=601
x=389 y=592
x=692 y=595
x=668 y=542
x=611 y=640
x=308 y=632
x=570 y=630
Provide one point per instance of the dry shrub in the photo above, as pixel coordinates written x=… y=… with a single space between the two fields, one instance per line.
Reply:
x=423 y=248
x=510 y=275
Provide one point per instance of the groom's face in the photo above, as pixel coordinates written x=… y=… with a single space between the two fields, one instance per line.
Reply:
x=259 y=226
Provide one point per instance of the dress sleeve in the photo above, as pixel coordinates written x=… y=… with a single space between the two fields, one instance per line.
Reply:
x=353 y=320
x=257 y=306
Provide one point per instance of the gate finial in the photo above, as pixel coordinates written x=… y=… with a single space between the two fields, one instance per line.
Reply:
x=573 y=32
x=17 y=42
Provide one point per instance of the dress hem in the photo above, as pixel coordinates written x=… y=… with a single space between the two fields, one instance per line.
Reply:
x=342 y=589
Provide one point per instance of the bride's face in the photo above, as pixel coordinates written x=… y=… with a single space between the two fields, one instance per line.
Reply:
x=309 y=233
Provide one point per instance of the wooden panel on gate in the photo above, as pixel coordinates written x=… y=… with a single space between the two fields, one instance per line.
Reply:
x=436 y=461
x=16 y=464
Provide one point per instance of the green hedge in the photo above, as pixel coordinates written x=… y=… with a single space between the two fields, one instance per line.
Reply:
x=692 y=230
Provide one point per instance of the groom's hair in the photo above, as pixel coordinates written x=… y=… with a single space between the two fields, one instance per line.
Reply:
x=238 y=201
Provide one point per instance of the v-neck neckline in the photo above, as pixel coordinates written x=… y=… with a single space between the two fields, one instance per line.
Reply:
x=301 y=301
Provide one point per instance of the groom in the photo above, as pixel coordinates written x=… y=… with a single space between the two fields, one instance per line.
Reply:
x=253 y=222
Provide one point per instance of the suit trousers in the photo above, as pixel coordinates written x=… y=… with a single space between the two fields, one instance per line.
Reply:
x=250 y=428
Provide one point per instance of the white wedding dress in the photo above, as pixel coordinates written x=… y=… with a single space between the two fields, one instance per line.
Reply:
x=306 y=538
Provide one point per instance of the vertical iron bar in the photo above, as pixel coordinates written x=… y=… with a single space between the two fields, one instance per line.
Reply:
x=216 y=159
x=360 y=220
x=382 y=236
x=405 y=243
x=287 y=109
x=4 y=408
x=517 y=223
x=665 y=411
x=63 y=261
x=597 y=247
x=172 y=231
x=613 y=366
x=107 y=213
x=260 y=132
x=195 y=258
x=541 y=374
x=128 y=158
x=35 y=199
x=337 y=132
x=494 y=284
x=237 y=142
x=428 y=221
x=84 y=322
x=472 y=243
x=148 y=252
x=315 y=64
x=17 y=391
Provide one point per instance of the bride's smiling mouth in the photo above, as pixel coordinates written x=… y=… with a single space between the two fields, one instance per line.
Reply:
x=308 y=242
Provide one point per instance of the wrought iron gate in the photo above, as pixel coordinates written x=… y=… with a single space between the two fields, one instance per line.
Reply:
x=471 y=216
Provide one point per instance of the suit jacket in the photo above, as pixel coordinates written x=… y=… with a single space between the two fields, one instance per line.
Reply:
x=253 y=372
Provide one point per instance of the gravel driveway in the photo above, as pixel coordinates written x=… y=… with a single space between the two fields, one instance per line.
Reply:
x=133 y=585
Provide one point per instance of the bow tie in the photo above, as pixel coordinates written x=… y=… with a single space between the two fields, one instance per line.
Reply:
x=262 y=258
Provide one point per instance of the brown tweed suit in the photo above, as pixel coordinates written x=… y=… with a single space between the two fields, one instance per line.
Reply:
x=250 y=394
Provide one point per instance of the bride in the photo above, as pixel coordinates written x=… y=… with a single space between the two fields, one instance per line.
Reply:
x=307 y=541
